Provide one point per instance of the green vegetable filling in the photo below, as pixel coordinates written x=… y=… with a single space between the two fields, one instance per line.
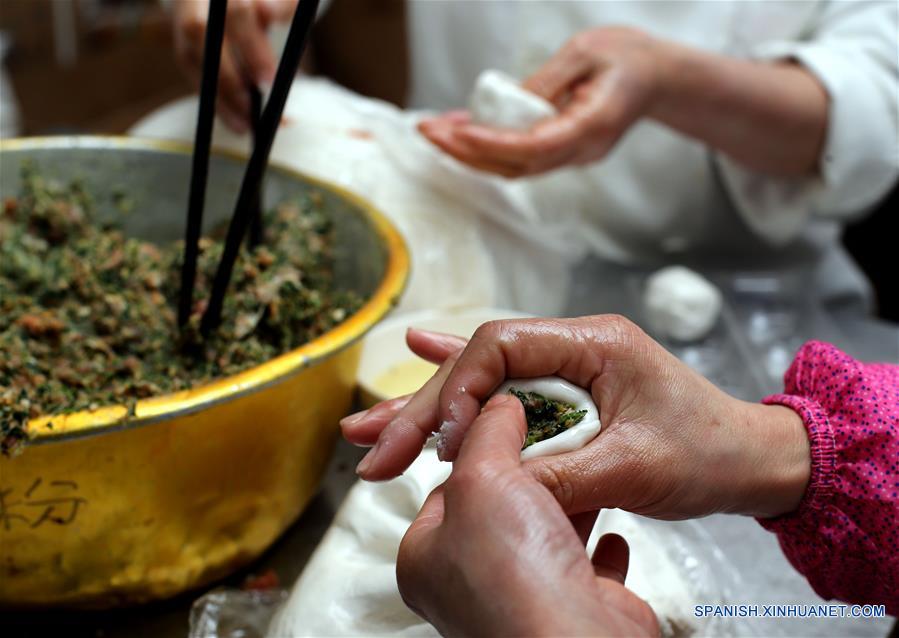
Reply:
x=546 y=417
x=87 y=314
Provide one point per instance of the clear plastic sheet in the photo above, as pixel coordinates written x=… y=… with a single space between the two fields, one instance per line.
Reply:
x=234 y=613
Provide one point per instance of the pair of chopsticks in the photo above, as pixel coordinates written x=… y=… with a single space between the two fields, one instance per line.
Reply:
x=247 y=209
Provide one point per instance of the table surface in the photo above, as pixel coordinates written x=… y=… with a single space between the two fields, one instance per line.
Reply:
x=746 y=338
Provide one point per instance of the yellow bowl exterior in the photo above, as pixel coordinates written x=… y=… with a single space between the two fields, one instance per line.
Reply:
x=102 y=508
x=148 y=512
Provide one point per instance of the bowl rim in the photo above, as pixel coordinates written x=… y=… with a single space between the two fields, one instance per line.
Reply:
x=83 y=423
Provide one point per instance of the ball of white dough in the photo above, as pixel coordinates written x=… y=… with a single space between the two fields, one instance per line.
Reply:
x=498 y=100
x=681 y=304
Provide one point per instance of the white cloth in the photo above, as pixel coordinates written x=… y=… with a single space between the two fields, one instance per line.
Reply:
x=348 y=588
x=659 y=192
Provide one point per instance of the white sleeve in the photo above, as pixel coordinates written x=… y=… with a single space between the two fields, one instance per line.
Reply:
x=851 y=48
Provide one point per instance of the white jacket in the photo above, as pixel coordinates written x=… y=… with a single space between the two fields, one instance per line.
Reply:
x=659 y=193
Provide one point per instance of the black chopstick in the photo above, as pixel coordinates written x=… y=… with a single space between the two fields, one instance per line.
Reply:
x=256 y=230
x=212 y=55
x=268 y=126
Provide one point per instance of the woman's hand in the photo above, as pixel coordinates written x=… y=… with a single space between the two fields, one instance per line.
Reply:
x=247 y=56
x=491 y=552
x=769 y=116
x=602 y=81
x=672 y=445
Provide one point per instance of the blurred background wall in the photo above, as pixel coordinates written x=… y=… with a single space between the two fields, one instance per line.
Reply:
x=88 y=65
x=99 y=65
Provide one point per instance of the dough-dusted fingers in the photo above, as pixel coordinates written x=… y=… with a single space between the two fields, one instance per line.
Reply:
x=363 y=428
x=402 y=440
x=497 y=351
x=574 y=349
x=495 y=440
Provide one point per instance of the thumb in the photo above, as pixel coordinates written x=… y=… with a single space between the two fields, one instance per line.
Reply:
x=495 y=437
x=611 y=558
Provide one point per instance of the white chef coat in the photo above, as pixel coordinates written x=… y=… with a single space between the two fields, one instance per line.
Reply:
x=660 y=194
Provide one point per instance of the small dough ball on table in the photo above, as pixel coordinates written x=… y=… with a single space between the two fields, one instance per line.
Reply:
x=498 y=100
x=681 y=304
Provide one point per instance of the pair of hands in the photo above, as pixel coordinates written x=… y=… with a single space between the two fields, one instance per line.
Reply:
x=672 y=446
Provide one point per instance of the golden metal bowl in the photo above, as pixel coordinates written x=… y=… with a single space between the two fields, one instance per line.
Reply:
x=103 y=509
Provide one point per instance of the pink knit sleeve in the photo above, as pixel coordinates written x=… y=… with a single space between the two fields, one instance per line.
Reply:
x=844 y=538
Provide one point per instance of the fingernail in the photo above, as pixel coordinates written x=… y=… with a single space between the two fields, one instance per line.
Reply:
x=430 y=334
x=367 y=461
x=353 y=419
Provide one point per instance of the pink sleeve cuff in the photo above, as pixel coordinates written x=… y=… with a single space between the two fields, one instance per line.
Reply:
x=820 y=434
x=844 y=535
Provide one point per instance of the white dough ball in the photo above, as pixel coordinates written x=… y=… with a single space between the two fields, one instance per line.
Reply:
x=498 y=100
x=681 y=304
